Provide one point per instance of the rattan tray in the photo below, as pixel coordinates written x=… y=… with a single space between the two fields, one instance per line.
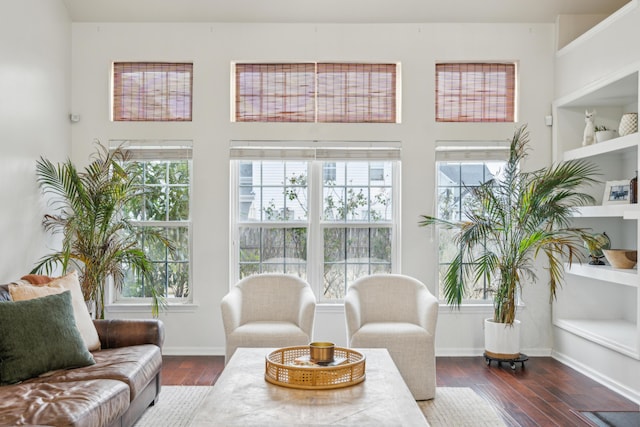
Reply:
x=280 y=369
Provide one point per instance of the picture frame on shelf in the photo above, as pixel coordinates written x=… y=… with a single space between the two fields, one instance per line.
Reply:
x=616 y=192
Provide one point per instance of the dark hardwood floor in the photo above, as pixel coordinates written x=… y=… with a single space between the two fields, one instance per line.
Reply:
x=544 y=393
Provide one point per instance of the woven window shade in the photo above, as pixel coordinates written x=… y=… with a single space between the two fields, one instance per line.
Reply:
x=478 y=92
x=357 y=93
x=275 y=92
x=152 y=91
x=340 y=92
x=155 y=150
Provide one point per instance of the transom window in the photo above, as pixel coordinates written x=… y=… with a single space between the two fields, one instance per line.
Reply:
x=475 y=92
x=316 y=92
x=322 y=218
x=164 y=178
x=152 y=91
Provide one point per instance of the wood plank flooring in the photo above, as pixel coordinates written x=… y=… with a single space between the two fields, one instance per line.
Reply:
x=544 y=393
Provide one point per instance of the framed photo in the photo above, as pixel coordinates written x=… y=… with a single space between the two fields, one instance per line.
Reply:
x=616 y=193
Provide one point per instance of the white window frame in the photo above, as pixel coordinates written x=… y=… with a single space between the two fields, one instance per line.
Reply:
x=150 y=150
x=316 y=153
x=463 y=152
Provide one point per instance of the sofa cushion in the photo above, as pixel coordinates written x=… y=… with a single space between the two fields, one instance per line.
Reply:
x=135 y=365
x=33 y=341
x=85 y=403
x=71 y=283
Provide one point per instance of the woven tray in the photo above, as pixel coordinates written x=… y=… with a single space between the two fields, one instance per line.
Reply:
x=280 y=369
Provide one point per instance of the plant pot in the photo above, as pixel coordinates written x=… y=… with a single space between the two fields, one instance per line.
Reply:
x=502 y=341
x=604 y=135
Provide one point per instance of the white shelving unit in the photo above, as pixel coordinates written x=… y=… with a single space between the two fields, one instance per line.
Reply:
x=600 y=304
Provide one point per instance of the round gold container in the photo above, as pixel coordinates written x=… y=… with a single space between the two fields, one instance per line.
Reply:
x=321 y=352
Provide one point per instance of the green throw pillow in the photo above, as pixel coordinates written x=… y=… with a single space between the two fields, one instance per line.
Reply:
x=39 y=335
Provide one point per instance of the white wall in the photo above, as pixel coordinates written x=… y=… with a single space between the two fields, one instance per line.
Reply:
x=35 y=70
x=212 y=48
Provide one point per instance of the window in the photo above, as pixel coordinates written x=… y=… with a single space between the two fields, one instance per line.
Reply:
x=152 y=91
x=326 y=215
x=459 y=168
x=309 y=92
x=164 y=176
x=480 y=92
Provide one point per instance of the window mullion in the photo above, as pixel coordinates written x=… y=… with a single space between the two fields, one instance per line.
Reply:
x=315 y=240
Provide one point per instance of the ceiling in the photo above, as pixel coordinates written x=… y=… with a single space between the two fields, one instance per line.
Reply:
x=333 y=11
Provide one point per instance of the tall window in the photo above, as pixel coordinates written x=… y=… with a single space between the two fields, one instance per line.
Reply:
x=476 y=92
x=310 y=92
x=315 y=214
x=458 y=171
x=164 y=205
x=152 y=91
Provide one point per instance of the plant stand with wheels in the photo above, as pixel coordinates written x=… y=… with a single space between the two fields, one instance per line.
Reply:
x=512 y=362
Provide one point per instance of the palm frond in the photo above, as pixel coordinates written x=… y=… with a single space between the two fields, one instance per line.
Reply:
x=520 y=215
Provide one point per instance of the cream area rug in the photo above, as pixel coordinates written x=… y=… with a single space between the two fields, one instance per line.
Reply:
x=452 y=407
x=459 y=407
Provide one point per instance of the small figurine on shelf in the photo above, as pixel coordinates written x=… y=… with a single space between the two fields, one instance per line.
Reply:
x=633 y=189
x=589 y=136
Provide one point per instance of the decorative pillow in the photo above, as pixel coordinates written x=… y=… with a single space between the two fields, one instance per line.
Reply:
x=33 y=341
x=21 y=292
x=81 y=312
x=37 y=279
x=5 y=295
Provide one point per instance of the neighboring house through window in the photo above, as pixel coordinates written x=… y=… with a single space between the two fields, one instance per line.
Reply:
x=327 y=215
x=459 y=167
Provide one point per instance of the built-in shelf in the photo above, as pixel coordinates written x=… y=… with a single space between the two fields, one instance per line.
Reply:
x=627 y=277
x=623 y=145
x=626 y=211
x=616 y=334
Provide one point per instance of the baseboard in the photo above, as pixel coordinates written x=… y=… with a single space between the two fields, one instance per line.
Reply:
x=472 y=352
x=193 y=351
x=440 y=352
x=633 y=395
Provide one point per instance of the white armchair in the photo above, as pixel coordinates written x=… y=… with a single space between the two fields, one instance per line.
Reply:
x=398 y=313
x=268 y=310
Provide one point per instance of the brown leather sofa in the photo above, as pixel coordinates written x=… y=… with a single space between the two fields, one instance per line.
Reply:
x=116 y=391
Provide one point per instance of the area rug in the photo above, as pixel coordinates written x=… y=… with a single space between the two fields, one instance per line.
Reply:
x=459 y=407
x=176 y=407
x=453 y=406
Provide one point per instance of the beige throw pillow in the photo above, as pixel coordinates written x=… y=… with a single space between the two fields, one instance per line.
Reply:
x=23 y=291
x=71 y=283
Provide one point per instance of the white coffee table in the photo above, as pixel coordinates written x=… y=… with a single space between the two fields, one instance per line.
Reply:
x=242 y=397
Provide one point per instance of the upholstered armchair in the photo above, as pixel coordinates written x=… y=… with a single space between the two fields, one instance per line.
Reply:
x=268 y=310
x=398 y=313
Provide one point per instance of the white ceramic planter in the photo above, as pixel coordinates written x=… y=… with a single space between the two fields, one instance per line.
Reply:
x=502 y=341
x=604 y=135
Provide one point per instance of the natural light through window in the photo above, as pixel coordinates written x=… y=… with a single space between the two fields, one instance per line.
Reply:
x=327 y=220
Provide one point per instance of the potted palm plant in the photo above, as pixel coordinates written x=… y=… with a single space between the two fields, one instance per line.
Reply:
x=513 y=218
x=97 y=239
